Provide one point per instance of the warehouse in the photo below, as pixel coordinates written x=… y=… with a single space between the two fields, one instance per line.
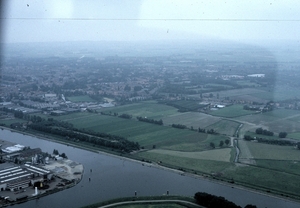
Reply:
x=19 y=177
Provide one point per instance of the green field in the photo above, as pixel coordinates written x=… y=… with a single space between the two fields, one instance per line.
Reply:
x=283 y=113
x=144 y=109
x=192 y=164
x=240 y=92
x=83 y=98
x=231 y=111
x=247 y=83
x=295 y=135
x=222 y=154
x=189 y=105
x=279 y=93
x=191 y=119
x=224 y=126
x=145 y=133
x=252 y=134
x=273 y=152
x=259 y=177
x=7 y=122
x=267 y=166
x=277 y=120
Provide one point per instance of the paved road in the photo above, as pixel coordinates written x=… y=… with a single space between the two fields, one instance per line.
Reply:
x=150 y=201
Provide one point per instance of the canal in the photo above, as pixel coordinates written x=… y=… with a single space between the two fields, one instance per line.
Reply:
x=113 y=177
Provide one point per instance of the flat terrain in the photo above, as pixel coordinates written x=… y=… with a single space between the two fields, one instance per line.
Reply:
x=216 y=154
x=144 y=109
x=224 y=126
x=189 y=119
x=260 y=165
x=231 y=111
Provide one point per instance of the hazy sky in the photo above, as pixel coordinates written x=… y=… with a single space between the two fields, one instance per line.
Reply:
x=98 y=20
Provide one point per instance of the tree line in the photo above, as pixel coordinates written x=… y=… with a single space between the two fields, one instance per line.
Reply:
x=67 y=131
x=212 y=201
x=221 y=143
x=82 y=135
x=269 y=133
x=150 y=120
x=270 y=141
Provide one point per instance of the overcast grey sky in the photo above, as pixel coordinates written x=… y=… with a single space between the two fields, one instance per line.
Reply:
x=98 y=20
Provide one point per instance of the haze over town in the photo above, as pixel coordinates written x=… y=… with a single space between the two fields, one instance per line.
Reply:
x=204 y=89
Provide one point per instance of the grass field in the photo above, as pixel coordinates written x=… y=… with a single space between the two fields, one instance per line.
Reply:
x=252 y=134
x=295 y=135
x=222 y=154
x=273 y=152
x=7 y=122
x=277 y=120
x=204 y=166
x=144 y=109
x=224 y=126
x=83 y=98
x=145 y=133
x=247 y=83
x=240 y=92
x=289 y=166
x=265 y=178
x=191 y=119
x=186 y=104
x=279 y=93
x=283 y=113
x=231 y=111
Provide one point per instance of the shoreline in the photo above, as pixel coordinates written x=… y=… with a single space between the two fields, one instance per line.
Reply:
x=67 y=178
x=206 y=177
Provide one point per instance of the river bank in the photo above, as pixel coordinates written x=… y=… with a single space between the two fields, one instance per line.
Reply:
x=64 y=174
x=210 y=179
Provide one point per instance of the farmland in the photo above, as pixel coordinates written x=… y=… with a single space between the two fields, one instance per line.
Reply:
x=190 y=150
x=231 y=111
x=144 y=109
x=222 y=154
x=274 y=120
x=273 y=152
x=192 y=164
x=191 y=119
x=224 y=126
x=145 y=133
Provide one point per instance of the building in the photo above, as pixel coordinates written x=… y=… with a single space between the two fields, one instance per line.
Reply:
x=19 y=177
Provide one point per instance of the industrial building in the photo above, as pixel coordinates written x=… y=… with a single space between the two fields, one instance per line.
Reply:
x=19 y=177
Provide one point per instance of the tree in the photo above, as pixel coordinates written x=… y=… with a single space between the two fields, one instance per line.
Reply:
x=127 y=88
x=221 y=144
x=227 y=142
x=259 y=131
x=212 y=145
x=137 y=88
x=282 y=134
x=63 y=155
x=55 y=152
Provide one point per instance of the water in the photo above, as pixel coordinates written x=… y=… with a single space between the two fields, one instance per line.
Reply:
x=114 y=177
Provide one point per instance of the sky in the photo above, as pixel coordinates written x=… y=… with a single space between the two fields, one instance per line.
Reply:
x=136 y=20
